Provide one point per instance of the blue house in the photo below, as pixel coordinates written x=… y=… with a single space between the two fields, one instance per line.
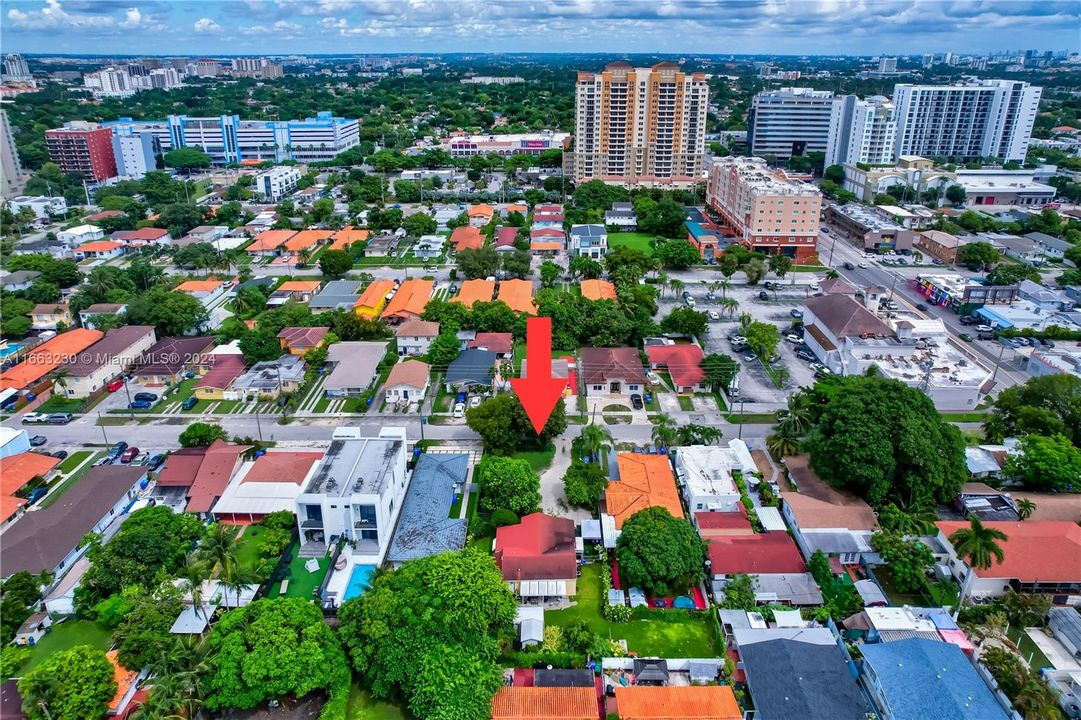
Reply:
x=921 y=679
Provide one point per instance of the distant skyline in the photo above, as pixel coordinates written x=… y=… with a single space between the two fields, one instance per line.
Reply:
x=796 y=27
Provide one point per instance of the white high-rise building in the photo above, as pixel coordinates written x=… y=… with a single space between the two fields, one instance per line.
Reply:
x=861 y=131
x=165 y=79
x=887 y=65
x=10 y=167
x=789 y=121
x=15 y=68
x=640 y=126
x=992 y=118
x=110 y=82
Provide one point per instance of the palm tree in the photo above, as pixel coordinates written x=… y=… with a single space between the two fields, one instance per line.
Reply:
x=662 y=280
x=219 y=548
x=677 y=285
x=978 y=544
x=782 y=443
x=745 y=319
x=724 y=284
x=796 y=417
x=304 y=256
x=194 y=574
x=237 y=579
x=60 y=378
x=1025 y=508
x=664 y=432
x=595 y=439
x=1035 y=700
x=730 y=305
x=781 y=375
x=39 y=693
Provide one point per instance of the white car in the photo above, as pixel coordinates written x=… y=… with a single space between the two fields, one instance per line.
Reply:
x=654 y=378
x=862 y=265
x=689 y=300
x=34 y=418
x=474 y=401
x=815 y=287
x=459 y=410
x=714 y=315
x=793 y=338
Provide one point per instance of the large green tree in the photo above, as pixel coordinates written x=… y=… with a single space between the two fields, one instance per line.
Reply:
x=19 y=594
x=977 y=254
x=508 y=483
x=187 y=158
x=171 y=313
x=335 y=263
x=583 y=484
x=480 y=263
x=762 y=338
x=271 y=649
x=504 y=427
x=429 y=632
x=908 y=560
x=1045 y=405
x=72 y=684
x=1045 y=463
x=886 y=442
x=201 y=435
x=677 y=254
x=685 y=321
x=659 y=553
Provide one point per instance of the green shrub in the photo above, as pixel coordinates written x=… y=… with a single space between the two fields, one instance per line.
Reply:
x=12 y=657
x=502 y=516
x=617 y=613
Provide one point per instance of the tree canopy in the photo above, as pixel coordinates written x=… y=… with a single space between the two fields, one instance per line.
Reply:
x=201 y=435
x=508 y=483
x=335 y=263
x=683 y=320
x=505 y=428
x=659 y=553
x=429 y=632
x=72 y=684
x=171 y=313
x=886 y=442
x=270 y=649
x=583 y=484
x=1045 y=463
x=677 y=254
x=1046 y=405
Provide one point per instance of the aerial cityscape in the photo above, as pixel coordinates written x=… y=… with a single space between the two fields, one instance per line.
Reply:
x=576 y=360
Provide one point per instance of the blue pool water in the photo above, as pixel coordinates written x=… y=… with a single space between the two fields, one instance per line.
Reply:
x=359 y=580
x=9 y=350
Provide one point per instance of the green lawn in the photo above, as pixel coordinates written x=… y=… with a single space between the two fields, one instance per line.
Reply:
x=363 y=707
x=635 y=240
x=538 y=459
x=1028 y=648
x=67 y=635
x=302 y=582
x=689 y=637
x=72 y=461
x=66 y=483
x=57 y=404
x=247 y=552
x=885 y=578
x=685 y=403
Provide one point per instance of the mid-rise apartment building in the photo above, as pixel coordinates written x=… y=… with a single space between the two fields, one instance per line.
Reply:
x=228 y=139
x=640 y=126
x=136 y=155
x=15 y=68
x=277 y=182
x=789 y=121
x=861 y=131
x=83 y=148
x=992 y=118
x=110 y=82
x=766 y=209
x=257 y=67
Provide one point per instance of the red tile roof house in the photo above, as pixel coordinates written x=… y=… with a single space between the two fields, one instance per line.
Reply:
x=194 y=478
x=683 y=363
x=765 y=553
x=299 y=340
x=144 y=236
x=612 y=371
x=537 y=556
x=505 y=238
x=500 y=343
x=1041 y=556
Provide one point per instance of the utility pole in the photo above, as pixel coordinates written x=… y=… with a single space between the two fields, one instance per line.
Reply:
x=1001 y=350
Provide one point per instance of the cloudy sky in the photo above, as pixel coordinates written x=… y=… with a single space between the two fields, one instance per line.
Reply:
x=665 y=26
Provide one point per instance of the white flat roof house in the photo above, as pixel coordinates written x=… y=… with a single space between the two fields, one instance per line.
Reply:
x=705 y=475
x=356 y=493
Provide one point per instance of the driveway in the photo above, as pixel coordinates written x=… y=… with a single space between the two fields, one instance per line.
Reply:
x=553 y=499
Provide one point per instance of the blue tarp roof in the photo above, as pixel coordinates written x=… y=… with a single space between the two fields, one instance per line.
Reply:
x=925 y=679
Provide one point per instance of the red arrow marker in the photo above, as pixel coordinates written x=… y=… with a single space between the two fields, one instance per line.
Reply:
x=538 y=391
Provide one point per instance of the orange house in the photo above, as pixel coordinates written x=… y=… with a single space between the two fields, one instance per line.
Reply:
x=348 y=235
x=409 y=301
x=304 y=240
x=475 y=291
x=373 y=299
x=268 y=242
x=644 y=481
x=518 y=295
x=598 y=290
x=467 y=238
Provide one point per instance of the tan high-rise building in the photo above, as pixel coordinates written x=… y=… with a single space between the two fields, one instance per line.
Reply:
x=640 y=126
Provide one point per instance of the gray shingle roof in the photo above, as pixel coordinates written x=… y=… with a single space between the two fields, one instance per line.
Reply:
x=472 y=367
x=424 y=528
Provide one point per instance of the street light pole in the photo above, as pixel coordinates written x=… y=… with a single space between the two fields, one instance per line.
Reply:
x=102 y=429
x=741 y=402
x=1002 y=349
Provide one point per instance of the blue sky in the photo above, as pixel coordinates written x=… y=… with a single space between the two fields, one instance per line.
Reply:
x=865 y=27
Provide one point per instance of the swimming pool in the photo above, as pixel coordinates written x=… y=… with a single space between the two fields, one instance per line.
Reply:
x=359 y=581
x=9 y=349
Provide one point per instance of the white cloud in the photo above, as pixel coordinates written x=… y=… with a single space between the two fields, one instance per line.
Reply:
x=132 y=18
x=206 y=25
x=53 y=15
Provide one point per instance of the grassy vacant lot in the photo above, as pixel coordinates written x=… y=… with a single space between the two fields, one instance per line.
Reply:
x=363 y=707
x=67 y=635
x=688 y=637
x=72 y=461
x=1028 y=648
x=635 y=240
x=538 y=459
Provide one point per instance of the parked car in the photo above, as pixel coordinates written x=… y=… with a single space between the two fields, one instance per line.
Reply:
x=474 y=401
x=60 y=454
x=714 y=315
x=862 y=265
x=130 y=454
x=689 y=301
x=750 y=357
x=985 y=335
x=36 y=494
x=140 y=405
x=636 y=402
x=189 y=403
x=459 y=410
x=149 y=397
x=155 y=461
x=763 y=295
x=141 y=458
x=453 y=288
x=38 y=440
x=795 y=313
x=1047 y=343
x=984 y=329
x=34 y=418
x=969 y=320
x=805 y=355
x=793 y=338
x=966 y=337
x=116 y=450
x=815 y=288
x=654 y=378
x=59 y=418
x=114 y=385
x=823 y=372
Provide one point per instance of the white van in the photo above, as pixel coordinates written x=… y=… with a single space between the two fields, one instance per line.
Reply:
x=733 y=387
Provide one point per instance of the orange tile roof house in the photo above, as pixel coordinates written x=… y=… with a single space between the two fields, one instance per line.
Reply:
x=545 y=703
x=414 y=337
x=644 y=481
x=598 y=290
x=204 y=291
x=305 y=240
x=467 y=238
x=475 y=291
x=374 y=298
x=147 y=235
x=480 y=215
x=409 y=301
x=299 y=340
x=547 y=240
x=684 y=702
x=127 y=682
x=1040 y=556
x=518 y=295
x=348 y=235
x=268 y=242
x=408 y=381
x=20 y=469
x=99 y=249
x=48 y=356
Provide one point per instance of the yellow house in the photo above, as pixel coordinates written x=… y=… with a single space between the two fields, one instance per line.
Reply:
x=50 y=316
x=374 y=299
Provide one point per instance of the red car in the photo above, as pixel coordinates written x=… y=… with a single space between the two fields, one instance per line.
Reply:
x=114 y=385
x=130 y=454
